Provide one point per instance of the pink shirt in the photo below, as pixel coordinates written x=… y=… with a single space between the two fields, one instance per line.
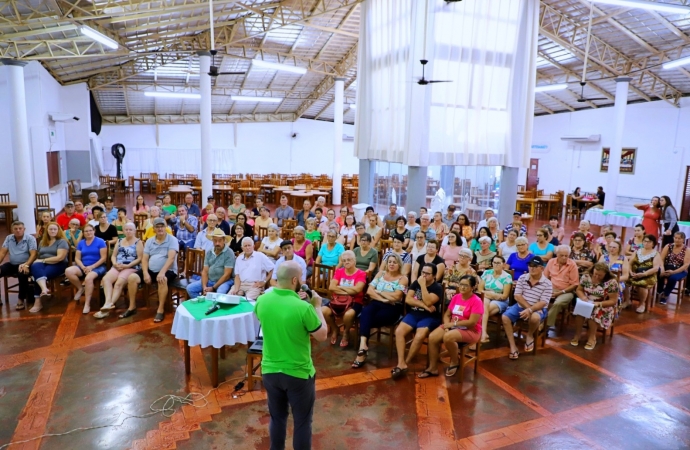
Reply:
x=450 y=255
x=346 y=280
x=461 y=309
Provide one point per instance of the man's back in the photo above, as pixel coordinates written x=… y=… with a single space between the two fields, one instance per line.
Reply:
x=286 y=322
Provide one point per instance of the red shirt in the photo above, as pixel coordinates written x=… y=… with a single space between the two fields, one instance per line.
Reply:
x=461 y=309
x=63 y=220
x=346 y=280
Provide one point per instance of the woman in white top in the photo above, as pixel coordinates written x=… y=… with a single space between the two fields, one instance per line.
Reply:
x=418 y=247
x=348 y=231
x=458 y=229
x=495 y=232
x=507 y=247
x=270 y=245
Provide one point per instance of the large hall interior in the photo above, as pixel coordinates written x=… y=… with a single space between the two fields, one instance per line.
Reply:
x=485 y=204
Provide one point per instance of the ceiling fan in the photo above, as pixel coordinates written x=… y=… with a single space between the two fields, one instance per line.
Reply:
x=423 y=81
x=583 y=82
x=213 y=70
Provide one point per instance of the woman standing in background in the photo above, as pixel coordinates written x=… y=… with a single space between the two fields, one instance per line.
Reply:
x=651 y=216
x=669 y=220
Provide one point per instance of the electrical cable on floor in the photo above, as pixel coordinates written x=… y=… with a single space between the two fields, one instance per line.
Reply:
x=167 y=410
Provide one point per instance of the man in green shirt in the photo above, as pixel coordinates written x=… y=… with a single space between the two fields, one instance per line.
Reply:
x=287 y=321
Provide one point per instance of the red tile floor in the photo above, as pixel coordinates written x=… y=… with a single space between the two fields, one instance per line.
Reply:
x=60 y=370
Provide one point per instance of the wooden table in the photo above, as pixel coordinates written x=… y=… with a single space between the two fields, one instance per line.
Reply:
x=101 y=190
x=222 y=193
x=7 y=208
x=140 y=180
x=177 y=193
x=248 y=190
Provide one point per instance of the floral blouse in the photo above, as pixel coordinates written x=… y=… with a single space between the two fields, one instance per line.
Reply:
x=582 y=255
x=598 y=292
x=453 y=274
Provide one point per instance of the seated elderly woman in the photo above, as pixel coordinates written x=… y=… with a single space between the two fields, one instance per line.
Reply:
x=51 y=261
x=89 y=264
x=518 y=261
x=676 y=260
x=346 y=290
x=155 y=212
x=397 y=248
x=386 y=293
x=366 y=256
x=483 y=231
x=598 y=287
x=73 y=234
x=494 y=232
x=495 y=284
x=235 y=208
x=126 y=258
x=270 y=245
x=303 y=247
x=462 y=323
x=542 y=247
x=484 y=256
x=462 y=267
x=330 y=251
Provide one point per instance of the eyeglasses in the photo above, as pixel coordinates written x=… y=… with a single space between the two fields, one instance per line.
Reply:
x=427 y=273
x=464 y=285
x=420 y=237
x=464 y=257
x=520 y=245
x=497 y=262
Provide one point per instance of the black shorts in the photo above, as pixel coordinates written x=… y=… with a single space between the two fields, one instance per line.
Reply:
x=170 y=275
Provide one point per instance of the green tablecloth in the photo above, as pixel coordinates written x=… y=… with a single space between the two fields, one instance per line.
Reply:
x=198 y=310
x=607 y=212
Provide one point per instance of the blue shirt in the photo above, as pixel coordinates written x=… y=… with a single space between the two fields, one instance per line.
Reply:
x=193 y=209
x=111 y=215
x=185 y=235
x=518 y=265
x=331 y=257
x=301 y=218
x=536 y=251
x=90 y=254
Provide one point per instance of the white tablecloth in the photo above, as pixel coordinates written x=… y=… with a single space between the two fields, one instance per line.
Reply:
x=596 y=217
x=216 y=331
x=685 y=229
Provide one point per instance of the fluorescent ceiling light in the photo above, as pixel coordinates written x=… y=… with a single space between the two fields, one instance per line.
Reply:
x=172 y=94
x=677 y=63
x=98 y=37
x=275 y=66
x=551 y=87
x=654 y=6
x=242 y=98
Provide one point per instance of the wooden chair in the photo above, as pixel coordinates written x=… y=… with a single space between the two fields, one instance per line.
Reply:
x=254 y=355
x=43 y=204
x=140 y=220
x=74 y=190
x=193 y=265
x=389 y=330
x=571 y=211
x=539 y=333
x=321 y=279
x=466 y=356
x=288 y=228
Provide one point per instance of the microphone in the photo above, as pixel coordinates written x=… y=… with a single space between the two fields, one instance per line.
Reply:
x=212 y=309
x=306 y=289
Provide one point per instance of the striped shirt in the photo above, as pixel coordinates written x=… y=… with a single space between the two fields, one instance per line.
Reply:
x=534 y=294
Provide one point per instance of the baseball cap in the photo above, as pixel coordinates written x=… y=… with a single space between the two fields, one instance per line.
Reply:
x=285 y=243
x=69 y=203
x=536 y=262
x=517 y=213
x=108 y=199
x=210 y=197
x=158 y=221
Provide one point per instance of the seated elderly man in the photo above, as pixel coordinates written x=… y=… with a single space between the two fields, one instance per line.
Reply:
x=288 y=251
x=562 y=271
x=23 y=251
x=252 y=271
x=532 y=294
x=516 y=225
x=425 y=227
x=110 y=210
x=192 y=208
x=204 y=239
x=216 y=275
x=283 y=212
x=488 y=214
x=423 y=317
x=186 y=228
x=320 y=203
x=390 y=218
x=160 y=264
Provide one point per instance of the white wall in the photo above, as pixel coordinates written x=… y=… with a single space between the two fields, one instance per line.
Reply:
x=659 y=131
x=44 y=95
x=261 y=148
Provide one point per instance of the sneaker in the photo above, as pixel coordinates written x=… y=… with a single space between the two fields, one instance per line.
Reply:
x=662 y=301
x=64 y=282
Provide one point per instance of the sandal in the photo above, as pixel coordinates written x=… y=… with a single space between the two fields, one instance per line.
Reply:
x=452 y=370
x=427 y=374
x=575 y=342
x=20 y=305
x=107 y=307
x=159 y=317
x=590 y=345
x=334 y=339
x=358 y=364
x=514 y=355
x=640 y=310
x=45 y=296
x=77 y=296
x=485 y=340
x=344 y=342
x=397 y=372
x=529 y=347
x=35 y=309
x=101 y=314
x=128 y=313
x=87 y=308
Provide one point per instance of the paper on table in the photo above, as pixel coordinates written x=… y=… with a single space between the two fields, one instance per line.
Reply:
x=583 y=308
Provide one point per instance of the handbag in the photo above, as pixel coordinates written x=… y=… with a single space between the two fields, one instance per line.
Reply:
x=341 y=303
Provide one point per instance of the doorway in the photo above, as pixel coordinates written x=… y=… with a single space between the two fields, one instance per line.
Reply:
x=685 y=208
x=533 y=174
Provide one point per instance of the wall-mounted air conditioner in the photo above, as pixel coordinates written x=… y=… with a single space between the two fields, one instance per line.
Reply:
x=592 y=138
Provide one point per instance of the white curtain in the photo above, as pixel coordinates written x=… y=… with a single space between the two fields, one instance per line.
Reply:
x=483 y=117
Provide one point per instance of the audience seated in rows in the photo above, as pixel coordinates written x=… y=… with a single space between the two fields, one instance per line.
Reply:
x=89 y=264
x=600 y=288
x=430 y=257
x=270 y=245
x=288 y=254
x=216 y=276
x=252 y=271
x=347 y=293
x=51 y=262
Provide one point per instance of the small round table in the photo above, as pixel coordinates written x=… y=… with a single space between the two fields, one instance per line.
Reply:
x=177 y=193
x=214 y=332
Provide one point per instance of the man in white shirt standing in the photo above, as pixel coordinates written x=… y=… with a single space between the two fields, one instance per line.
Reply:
x=252 y=271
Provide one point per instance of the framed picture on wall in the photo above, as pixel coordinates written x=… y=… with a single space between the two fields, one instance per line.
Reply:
x=628 y=158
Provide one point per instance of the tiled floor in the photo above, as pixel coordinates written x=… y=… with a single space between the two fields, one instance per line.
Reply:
x=61 y=370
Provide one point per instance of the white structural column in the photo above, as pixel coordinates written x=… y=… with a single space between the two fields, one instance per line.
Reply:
x=205 y=120
x=620 y=106
x=339 y=92
x=19 y=131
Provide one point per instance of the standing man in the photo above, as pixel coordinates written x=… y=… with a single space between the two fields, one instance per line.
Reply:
x=562 y=271
x=192 y=208
x=216 y=276
x=286 y=366
x=23 y=252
